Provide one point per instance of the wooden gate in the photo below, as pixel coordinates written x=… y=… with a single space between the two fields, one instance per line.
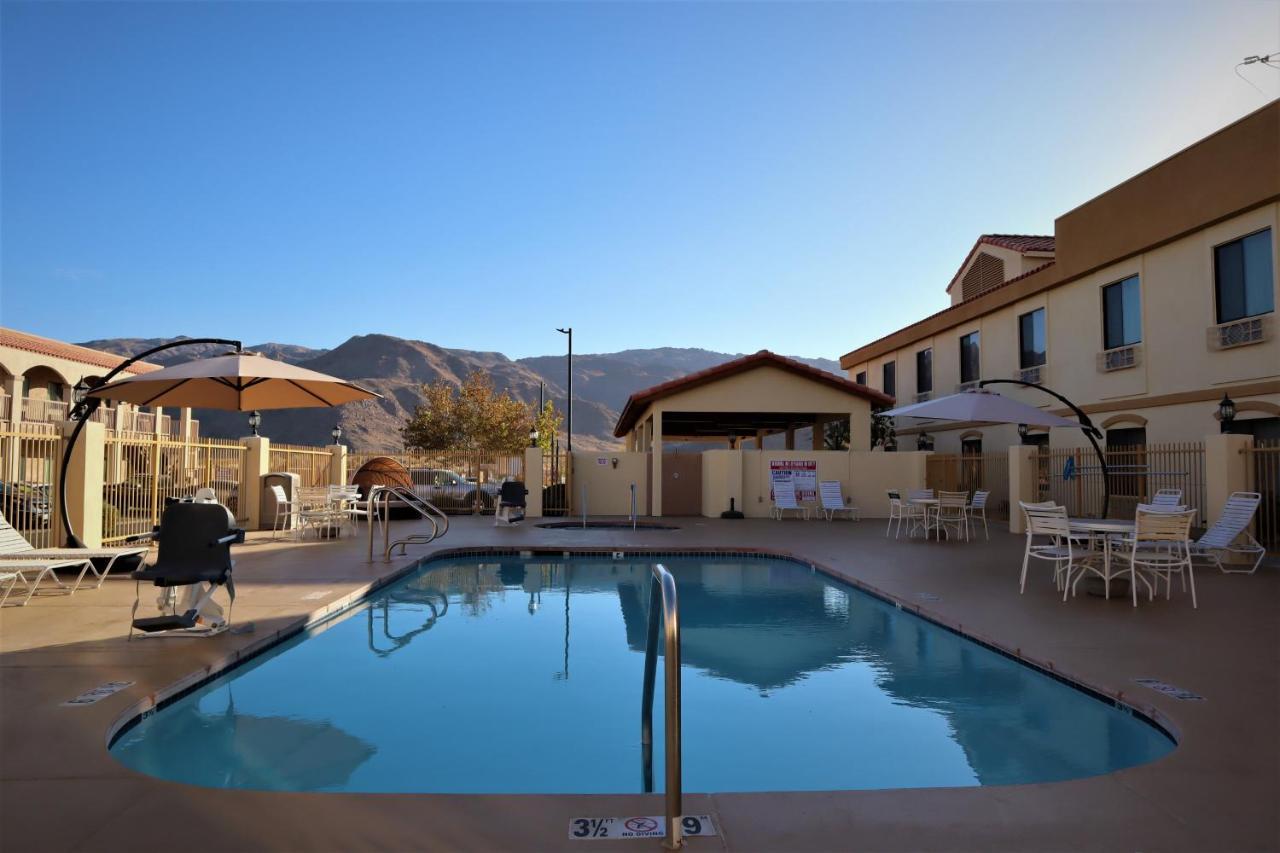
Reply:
x=682 y=484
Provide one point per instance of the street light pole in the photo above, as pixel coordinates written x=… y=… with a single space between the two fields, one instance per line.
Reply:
x=569 y=405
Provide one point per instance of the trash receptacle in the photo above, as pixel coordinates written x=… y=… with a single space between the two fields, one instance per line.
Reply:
x=267 y=504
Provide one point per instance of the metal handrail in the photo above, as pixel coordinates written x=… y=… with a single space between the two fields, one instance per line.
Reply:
x=423 y=507
x=663 y=599
x=633 y=506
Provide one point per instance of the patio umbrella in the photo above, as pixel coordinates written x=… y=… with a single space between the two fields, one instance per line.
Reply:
x=981 y=405
x=238 y=381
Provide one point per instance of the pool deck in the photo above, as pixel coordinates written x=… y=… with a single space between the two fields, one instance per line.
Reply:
x=1219 y=790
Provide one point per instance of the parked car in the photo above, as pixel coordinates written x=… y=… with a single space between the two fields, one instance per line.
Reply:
x=26 y=506
x=450 y=490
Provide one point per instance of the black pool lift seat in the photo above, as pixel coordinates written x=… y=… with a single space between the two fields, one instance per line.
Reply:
x=195 y=542
x=511 y=503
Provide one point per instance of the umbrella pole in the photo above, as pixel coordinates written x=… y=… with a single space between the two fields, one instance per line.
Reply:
x=85 y=408
x=1091 y=432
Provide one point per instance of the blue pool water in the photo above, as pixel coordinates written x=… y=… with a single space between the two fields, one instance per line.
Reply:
x=508 y=675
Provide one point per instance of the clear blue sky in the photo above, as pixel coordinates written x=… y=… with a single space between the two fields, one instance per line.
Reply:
x=802 y=177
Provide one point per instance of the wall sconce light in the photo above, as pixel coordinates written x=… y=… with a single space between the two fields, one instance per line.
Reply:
x=1226 y=414
x=615 y=462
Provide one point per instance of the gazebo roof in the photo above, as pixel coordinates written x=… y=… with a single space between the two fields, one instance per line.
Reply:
x=641 y=400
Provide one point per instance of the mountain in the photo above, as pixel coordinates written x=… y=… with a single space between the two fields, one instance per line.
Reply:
x=397 y=369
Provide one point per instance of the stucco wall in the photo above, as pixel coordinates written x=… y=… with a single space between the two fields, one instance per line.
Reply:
x=608 y=488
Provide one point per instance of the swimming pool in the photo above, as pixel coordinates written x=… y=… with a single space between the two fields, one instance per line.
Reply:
x=523 y=675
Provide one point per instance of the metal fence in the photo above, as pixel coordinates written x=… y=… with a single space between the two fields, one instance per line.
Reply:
x=457 y=481
x=141 y=471
x=311 y=464
x=30 y=458
x=1264 y=469
x=555 y=483
x=1072 y=477
x=969 y=472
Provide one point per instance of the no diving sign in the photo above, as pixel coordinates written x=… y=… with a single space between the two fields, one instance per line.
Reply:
x=641 y=826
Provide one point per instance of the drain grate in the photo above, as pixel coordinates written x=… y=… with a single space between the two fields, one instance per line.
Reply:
x=928 y=596
x=1170 y=690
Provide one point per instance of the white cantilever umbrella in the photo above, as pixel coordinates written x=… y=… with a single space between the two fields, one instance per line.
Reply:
x=238 y=381
x=981 y=405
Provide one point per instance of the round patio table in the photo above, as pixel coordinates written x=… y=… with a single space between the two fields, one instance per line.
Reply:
x=1108 y=529
x=930 y=506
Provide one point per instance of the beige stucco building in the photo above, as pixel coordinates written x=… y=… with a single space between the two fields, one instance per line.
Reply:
x=1146 y=306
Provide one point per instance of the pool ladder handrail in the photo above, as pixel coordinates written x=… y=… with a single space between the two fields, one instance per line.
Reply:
x=421 y=505
x=663 y=600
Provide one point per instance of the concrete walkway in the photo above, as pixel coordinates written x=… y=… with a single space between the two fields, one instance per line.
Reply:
x=61 y=790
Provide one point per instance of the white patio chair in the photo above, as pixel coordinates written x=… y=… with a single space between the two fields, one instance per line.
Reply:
x=953 y=512
x=285 y=510
x=1161 y=547
x=897 y=512
x=14 y=546
x=784 y=499
x=1167 y=497
x=833 y=500
x=1231 y=526
x=205 y=495
x=1061 y=549
x=978 y=509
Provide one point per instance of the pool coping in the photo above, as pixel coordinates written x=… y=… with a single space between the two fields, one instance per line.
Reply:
x=159 y=699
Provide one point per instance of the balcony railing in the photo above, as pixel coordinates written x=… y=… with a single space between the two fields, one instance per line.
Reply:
x=43 y=411
x=6 y=408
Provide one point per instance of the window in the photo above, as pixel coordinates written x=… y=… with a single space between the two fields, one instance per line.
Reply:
x=1121 y=314
x=1242 y=277
x=924 y=371
x=861 y=378
x=889 y=375
x=969 y=358
x=1031 y=346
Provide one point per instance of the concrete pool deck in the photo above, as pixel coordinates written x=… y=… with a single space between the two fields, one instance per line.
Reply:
x=61 y=790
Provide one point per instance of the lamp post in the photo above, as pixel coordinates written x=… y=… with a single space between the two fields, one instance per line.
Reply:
x=1225 y=414
x=255 y=420
x=533 y=437
x=78 y=392
x=569 y=406
x=336 y=433
x=923 y=441
x=1022 y=432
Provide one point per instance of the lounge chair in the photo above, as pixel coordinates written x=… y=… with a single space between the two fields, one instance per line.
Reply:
x=1167 y=497
x=14 y=572
x=784 y=500
x=833 y=500
x=14 y=546
x=511 y=503
x=1232 y=525
x=195 y=551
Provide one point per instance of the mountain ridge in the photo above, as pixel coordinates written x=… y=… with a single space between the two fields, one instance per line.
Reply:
x=397 y=368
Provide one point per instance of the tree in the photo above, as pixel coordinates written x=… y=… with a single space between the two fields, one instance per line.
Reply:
x=883 y=433
x=472 y=417
x=547 y=422
x=835 y=434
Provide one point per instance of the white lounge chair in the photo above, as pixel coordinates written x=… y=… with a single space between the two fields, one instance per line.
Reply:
x=1231 y=526
x=833 y=500
x=14 y=572
x=978 y=509
x=784 y=499
x=1161 y=547
x=14 y=546
x=1167 y=497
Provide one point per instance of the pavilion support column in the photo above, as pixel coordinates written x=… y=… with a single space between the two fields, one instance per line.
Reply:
x=656 y=499
x=819 y=430
x=791 y=438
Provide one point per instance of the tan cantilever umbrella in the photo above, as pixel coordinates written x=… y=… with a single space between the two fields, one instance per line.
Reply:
x=238 y=381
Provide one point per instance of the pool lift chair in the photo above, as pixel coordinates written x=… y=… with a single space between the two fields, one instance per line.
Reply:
x=511 y=504
x=195 y=542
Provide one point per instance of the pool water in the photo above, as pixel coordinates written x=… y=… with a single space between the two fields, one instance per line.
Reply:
x=509 y=675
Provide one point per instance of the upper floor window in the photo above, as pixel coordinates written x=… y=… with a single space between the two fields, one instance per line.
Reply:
x=1031 y=344
x=1243 y=278
x=861 y=378
x=889 y=375
x=1121 y=314
x=969 y=357
x=924 y=371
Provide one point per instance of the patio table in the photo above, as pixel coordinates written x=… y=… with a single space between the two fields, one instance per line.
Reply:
x=929 y=505
x=1108 y=529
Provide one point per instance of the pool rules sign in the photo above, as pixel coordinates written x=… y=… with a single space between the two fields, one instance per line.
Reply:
x=640 y=826
x=803 y=473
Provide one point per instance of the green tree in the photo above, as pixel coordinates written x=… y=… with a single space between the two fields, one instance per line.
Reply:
x=883 y=433
x=472 y=417
x=547 y=422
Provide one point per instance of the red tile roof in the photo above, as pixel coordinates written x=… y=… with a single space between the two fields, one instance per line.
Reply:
x=1022 y=243
x=638 y=401
x=58 y=349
